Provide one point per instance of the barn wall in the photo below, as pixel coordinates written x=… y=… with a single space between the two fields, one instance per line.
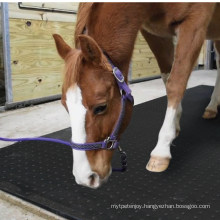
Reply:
x=15 y=12
x=202 y=55
x=35 y=64
x=144 y=63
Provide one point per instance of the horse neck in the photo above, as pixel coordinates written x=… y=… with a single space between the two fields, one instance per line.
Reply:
x=115 y=28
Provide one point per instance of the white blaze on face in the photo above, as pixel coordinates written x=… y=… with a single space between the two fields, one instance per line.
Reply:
x=77 y=112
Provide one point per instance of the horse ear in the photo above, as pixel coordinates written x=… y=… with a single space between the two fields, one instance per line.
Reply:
x=90 y=49
x=62 y=47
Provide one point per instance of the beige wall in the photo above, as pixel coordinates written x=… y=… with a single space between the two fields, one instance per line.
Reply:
x=15 y=12
x=35 y=64
x=144 y=63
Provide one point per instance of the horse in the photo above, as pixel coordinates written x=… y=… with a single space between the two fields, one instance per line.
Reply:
x=107 y=31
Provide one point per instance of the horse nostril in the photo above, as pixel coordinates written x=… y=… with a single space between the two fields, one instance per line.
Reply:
x=93 y=179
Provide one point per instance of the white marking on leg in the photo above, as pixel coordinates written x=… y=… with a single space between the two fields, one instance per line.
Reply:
x=215 y=98
x=166 y=135
x=77 y=112
x=165 y=77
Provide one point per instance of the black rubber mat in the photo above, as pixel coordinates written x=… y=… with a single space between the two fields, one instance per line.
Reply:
x=42 y=172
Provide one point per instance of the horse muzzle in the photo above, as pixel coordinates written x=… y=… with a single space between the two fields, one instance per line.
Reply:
x=92 y=180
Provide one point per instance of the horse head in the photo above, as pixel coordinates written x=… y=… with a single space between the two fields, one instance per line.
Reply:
x=92 y=98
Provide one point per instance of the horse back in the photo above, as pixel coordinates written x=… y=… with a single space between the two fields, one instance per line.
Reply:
x=163 y=19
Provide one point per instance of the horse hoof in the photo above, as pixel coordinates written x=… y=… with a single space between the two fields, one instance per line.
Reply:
x=209 y=114
x=158 y=164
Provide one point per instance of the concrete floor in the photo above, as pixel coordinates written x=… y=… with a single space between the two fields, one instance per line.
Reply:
x=46 y=118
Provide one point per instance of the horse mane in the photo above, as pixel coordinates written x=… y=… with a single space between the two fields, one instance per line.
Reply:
x=82 y=17
x=74 y=59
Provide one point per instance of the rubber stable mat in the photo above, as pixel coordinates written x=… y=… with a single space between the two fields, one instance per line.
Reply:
x=42 y=172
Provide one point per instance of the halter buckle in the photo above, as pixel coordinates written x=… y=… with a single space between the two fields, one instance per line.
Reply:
x=112 y=146
x=118 y=75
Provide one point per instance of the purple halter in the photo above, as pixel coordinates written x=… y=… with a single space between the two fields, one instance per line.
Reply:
x=112 y=139
x=110 y=142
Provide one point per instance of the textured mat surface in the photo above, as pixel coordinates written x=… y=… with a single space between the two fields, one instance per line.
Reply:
x=41 y=172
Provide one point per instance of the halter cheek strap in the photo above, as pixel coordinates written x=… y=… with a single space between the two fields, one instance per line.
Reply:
x=111 y=142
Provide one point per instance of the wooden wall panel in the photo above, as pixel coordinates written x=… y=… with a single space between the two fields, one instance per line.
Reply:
x=15 y=12
x=36 y=66
x=59 y=5
x=144 y=63
x=202 y=55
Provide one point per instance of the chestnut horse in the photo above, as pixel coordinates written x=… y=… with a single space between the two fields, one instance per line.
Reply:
x=90 y=92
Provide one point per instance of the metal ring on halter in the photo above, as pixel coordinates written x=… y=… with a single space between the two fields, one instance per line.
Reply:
x=113 y=142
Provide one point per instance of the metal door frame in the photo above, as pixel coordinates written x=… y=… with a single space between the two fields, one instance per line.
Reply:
x=6 y=52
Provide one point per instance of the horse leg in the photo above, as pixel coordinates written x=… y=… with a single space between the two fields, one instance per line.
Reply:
x=191 y=35
x=163 y=50
x=212 y=108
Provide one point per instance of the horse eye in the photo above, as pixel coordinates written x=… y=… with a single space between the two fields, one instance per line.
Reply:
x=99 y=109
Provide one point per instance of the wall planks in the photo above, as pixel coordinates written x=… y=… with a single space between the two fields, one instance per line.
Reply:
x=36 y=66
x=15 y=12
x=144 y=63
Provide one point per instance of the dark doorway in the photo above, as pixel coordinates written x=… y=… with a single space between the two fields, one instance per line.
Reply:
x=2 y=78
x=211 y=56
x=2 y=93
x=2 y=75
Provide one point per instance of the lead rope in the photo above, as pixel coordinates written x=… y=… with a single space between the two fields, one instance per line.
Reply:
x=123 y=155
x=124 y=165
